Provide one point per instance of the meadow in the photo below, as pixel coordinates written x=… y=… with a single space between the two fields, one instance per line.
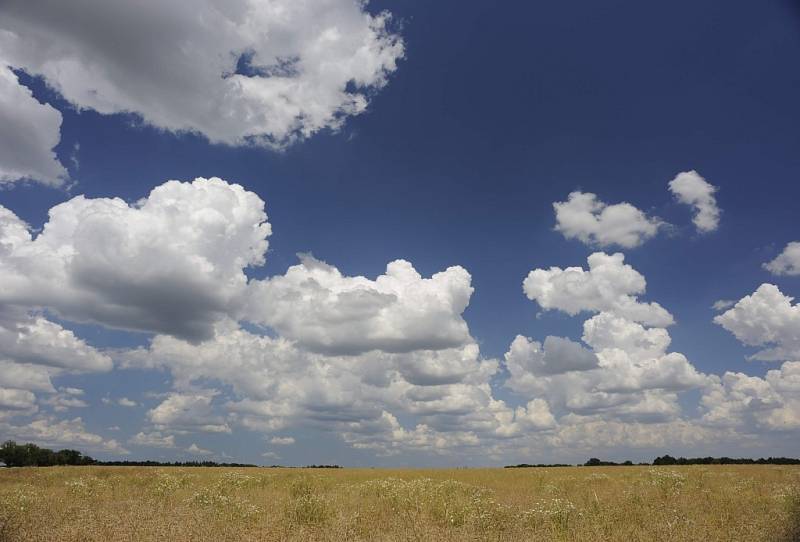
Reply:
x=640 y=503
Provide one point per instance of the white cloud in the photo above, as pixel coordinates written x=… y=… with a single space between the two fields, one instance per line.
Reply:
x=14 y=399
x=593 y=222
x=309 y=64
x=96 y=259
x=400 y=311
x=154 y=439
x=445 y=395
x=609 y=285
x=787 y=262
x=750 y=402
x=188 y=412
x=37 y=341
x=766 y=317
x=628 y=375
x=124 y=401
x=28 y=132
x=59 y=433
x=194 y=449
x=282 y=441
x=691 y=189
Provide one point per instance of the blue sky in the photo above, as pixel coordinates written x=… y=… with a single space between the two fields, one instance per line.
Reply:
x=488 y=117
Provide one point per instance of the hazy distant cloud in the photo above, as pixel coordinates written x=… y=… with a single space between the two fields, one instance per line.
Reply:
x=766 y=317
x=608 y=285
x=245 y=72
x=723 y=304
x=282 y=441
x=154 y=439
x=60 y=433
x=29 y=130
x=124 y=401
x=594 y=222
x=787 y=262
x=691 y=189
x=194 y=449
x=171 y=263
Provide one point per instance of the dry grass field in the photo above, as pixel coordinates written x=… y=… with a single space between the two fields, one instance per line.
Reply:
x=736 y=503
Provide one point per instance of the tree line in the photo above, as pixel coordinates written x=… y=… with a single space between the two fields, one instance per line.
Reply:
x=31 y=455
x=669 y=460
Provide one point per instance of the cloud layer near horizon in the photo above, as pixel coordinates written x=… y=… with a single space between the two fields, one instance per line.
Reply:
x=389 y=363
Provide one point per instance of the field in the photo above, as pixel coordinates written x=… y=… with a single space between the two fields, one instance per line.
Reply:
x=736 y=503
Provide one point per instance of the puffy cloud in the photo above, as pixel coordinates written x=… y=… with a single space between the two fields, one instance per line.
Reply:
x=281 y=441
x=38 y=341
x=593 y=222
x=400 y=311
x=691 y=189
x=444 y=394
x=787 y=262
x=242 y=72
x=60 y=433
x=96 y=259
x=154 y=439
x=34 y=350
x=124 y=401
x=766 y=317
x=28 y=132
x=751 y=402
x=14 y=399
x=628 y=375
x=609 y=285
x=189 y=413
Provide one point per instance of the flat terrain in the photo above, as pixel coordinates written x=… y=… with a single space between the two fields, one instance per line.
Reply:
x=736 y=503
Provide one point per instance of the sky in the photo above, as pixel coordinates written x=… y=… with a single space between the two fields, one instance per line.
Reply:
x=400 y=233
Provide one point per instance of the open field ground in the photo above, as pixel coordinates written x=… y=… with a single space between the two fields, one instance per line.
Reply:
x=736 y=503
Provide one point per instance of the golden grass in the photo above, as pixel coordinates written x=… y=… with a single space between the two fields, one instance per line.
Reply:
x=709 y=503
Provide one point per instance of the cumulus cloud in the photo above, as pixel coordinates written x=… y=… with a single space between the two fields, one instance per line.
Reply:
x=691 y=189
x=586 y=218
x=282 y=441
x=33 y=351
x=766 y=317
x=242 y=72
x=34 y=340
x=400 y=311
x=96 y=260
x=188 y=412
x=29 y=130
x=628 y=374
x=445 y=395
x=749 y=402
x=609 y=285
x=787 y=262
